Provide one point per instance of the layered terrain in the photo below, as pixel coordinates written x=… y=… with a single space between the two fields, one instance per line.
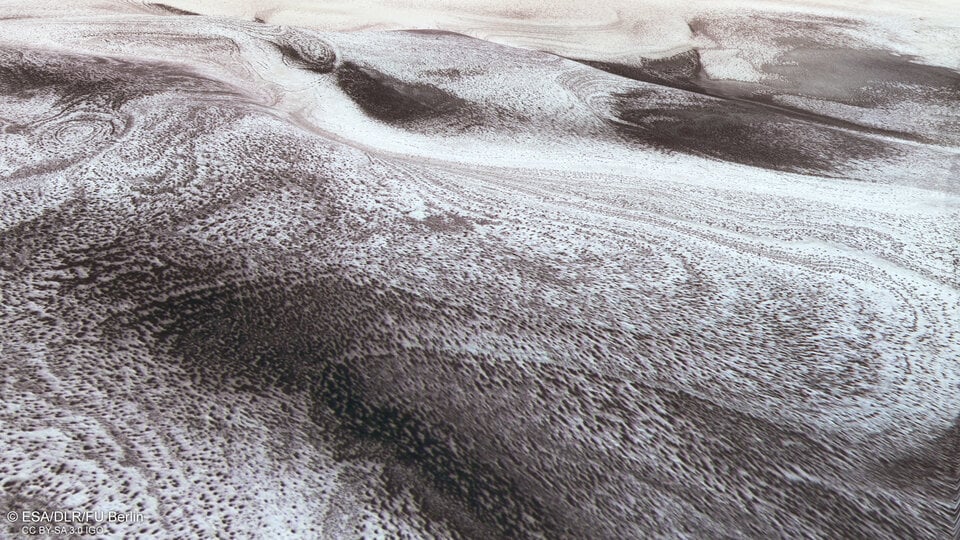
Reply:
x=268 y=280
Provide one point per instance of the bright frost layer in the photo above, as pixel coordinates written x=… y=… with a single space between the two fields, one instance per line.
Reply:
x=573 y=325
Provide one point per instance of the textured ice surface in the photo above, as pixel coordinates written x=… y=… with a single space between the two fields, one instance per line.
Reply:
x=273 y=281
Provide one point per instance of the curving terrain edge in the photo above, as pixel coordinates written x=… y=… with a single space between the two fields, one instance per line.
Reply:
x=271 y=281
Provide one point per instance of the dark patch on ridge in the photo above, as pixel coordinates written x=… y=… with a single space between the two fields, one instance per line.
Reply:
x=78 y=77
x=749 y=130
x=867 y=78
x=822 y=60
x=392 y=100
x=173 y=10
x=739 y=131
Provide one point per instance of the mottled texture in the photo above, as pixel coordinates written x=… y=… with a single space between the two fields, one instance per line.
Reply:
x=263 y=281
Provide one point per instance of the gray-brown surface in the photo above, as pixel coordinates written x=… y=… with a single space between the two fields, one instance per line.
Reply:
x=265 y=281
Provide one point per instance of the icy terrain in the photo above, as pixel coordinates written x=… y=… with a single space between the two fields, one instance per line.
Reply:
x=267 y=277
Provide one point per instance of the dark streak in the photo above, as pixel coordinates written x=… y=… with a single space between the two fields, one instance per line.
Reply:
x=392 y=100
x=679 y=71
x=435 y=32
x=173 y=10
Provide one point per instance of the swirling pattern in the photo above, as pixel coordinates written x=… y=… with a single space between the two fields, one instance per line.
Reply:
x=270 y=281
